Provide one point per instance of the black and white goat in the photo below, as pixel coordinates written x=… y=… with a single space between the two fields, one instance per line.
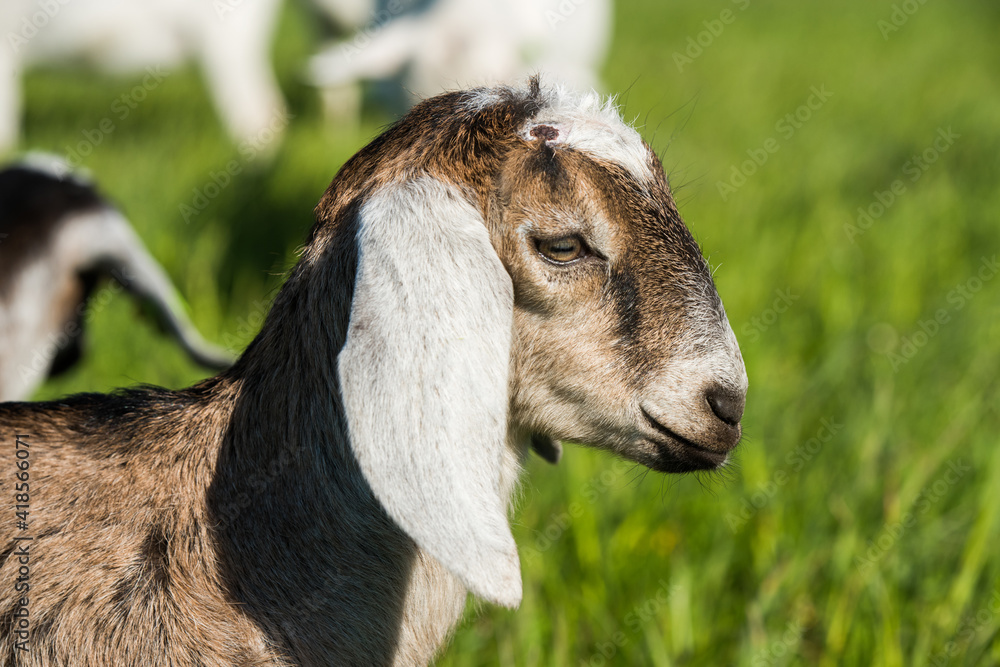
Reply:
x=58 y=240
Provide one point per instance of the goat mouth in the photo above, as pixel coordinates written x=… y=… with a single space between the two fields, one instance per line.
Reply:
x=675 y=453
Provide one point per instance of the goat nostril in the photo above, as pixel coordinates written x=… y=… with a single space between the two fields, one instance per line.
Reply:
x=726 y=404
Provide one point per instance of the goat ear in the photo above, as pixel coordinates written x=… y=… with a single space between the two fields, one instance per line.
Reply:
x=547 y=448
x=423 y=375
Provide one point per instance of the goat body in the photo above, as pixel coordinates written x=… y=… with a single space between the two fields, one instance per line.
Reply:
x=332 y=497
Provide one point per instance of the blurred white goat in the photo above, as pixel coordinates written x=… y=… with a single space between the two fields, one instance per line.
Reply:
x=229 y=38
x=431 y=44
x=457 y=43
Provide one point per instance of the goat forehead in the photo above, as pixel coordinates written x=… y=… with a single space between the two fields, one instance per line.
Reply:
x=619 y=145
x=589 y=123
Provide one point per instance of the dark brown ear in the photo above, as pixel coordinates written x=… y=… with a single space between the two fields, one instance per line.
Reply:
x=549 y=449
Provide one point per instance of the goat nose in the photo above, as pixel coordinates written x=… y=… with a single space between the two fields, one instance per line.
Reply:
x=726 y=404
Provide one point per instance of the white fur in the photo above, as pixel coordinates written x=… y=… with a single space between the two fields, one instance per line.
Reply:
x=592 y=124
x=31 y=332
x=433 y=303
x=26 y=333
x=54 y=166
x=347 y=13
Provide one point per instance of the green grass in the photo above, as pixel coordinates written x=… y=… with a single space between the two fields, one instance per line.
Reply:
x=867 y=538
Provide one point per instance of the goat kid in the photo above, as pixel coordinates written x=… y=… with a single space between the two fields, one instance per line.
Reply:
x=501 y=266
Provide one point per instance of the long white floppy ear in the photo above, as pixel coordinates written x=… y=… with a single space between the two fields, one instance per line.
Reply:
x=423 y=376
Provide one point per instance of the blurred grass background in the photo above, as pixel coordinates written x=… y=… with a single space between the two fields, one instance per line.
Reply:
x=858 y=524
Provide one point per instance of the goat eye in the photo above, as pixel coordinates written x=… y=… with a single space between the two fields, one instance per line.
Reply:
x=563 y=250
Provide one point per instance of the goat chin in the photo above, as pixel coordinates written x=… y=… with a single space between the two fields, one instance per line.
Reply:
x=502 y=267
